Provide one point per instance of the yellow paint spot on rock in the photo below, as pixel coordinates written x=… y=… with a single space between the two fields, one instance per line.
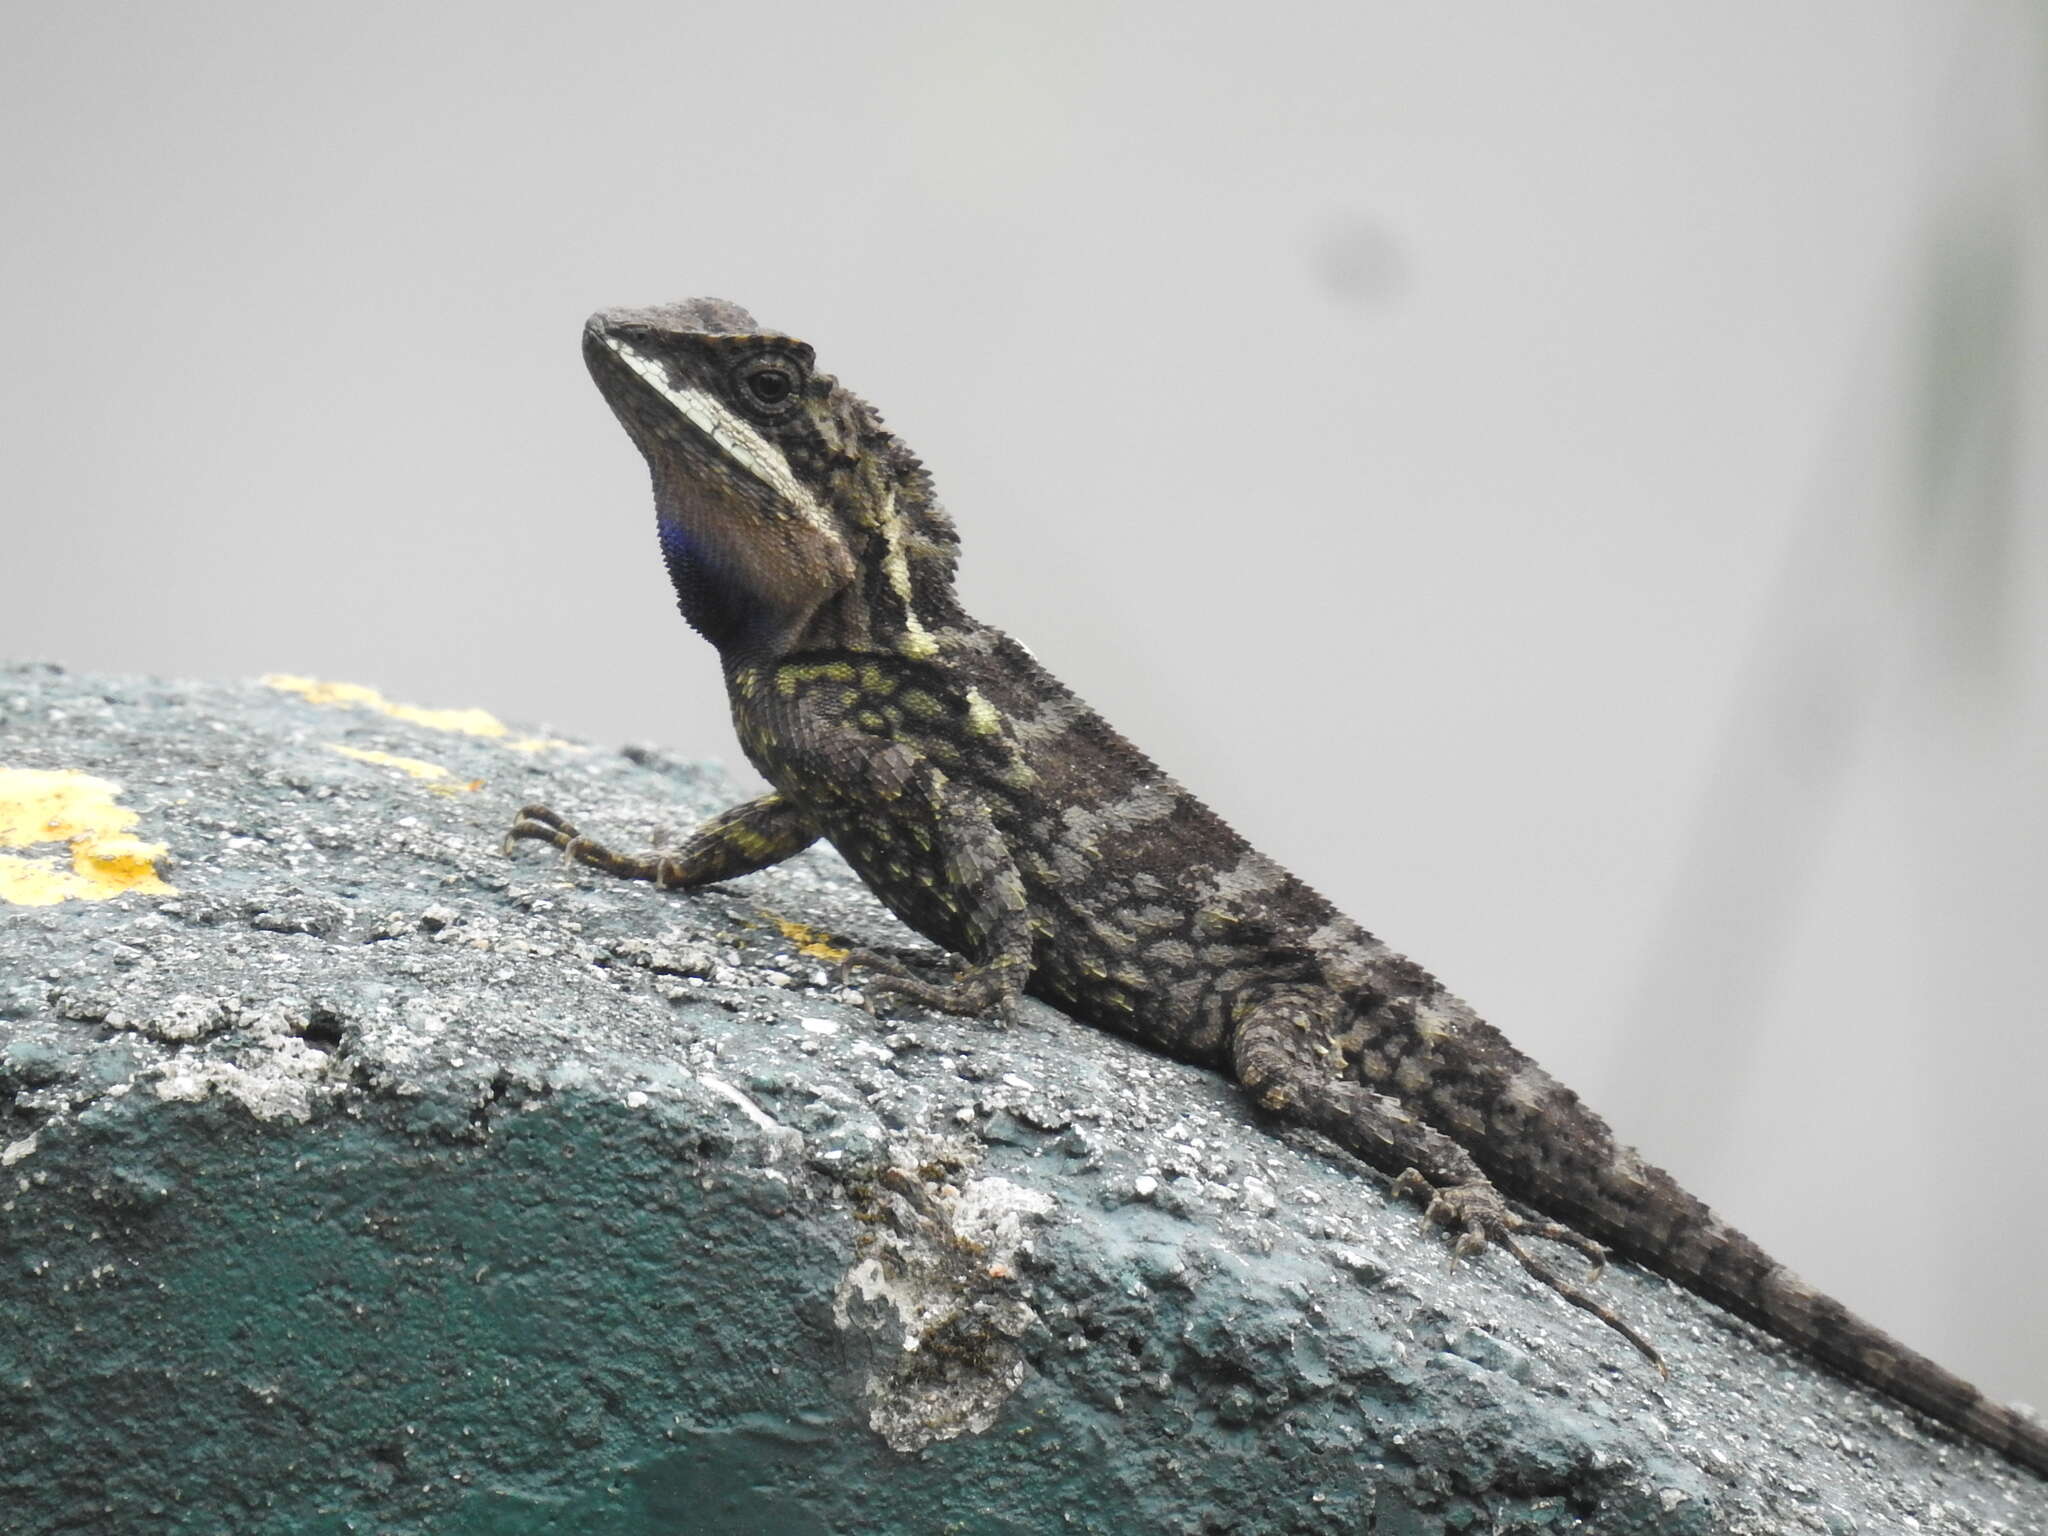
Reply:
x=39 y=805
x=810 y=941
x=411 y=765
x=467 y=722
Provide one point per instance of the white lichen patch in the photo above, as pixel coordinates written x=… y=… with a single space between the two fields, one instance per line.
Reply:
x=273 y=1073
x=934 y=1302
x=281 y=1089
x=741 y=1102
x=178 y=1019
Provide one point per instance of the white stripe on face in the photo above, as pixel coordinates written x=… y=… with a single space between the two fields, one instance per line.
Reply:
x=735 y=437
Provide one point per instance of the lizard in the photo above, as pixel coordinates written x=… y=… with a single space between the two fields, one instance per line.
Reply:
x=999 y=816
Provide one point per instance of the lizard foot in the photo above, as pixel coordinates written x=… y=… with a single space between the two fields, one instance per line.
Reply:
x=974 y=990
x=1483 y=1219
x=538 y=823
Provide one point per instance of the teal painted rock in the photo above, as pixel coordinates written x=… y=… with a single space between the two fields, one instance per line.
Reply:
x=358 y=1177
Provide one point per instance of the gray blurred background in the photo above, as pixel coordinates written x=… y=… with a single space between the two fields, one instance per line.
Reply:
x=1565 y=477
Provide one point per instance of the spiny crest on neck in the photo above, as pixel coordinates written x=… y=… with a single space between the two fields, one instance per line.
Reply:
x=912 y=550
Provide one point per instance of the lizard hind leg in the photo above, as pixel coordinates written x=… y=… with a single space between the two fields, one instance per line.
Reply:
x=1284 y=1053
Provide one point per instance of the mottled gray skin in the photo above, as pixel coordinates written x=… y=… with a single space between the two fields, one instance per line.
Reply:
x=1001 y=817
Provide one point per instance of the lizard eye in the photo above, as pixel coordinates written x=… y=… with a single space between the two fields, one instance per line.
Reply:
x=769 y=384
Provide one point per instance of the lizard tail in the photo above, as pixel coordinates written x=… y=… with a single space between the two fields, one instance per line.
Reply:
x=1553 y=1152
x=1688 y=1243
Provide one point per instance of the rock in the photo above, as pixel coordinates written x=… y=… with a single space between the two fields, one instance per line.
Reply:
x=357 y=1176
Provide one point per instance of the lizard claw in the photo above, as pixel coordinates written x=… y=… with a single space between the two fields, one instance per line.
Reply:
x=1411 y=1184
x=1470 y=1243
x=540 y=824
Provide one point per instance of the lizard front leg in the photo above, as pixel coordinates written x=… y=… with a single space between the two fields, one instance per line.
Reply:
x=924 y=841
x=737 y=842
x=948 y=835
x=1283 y=1054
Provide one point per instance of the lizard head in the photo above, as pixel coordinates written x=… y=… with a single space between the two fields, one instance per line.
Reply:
x=790 y=518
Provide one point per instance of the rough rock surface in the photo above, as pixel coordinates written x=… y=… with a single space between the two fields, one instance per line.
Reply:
x=371 y=1180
